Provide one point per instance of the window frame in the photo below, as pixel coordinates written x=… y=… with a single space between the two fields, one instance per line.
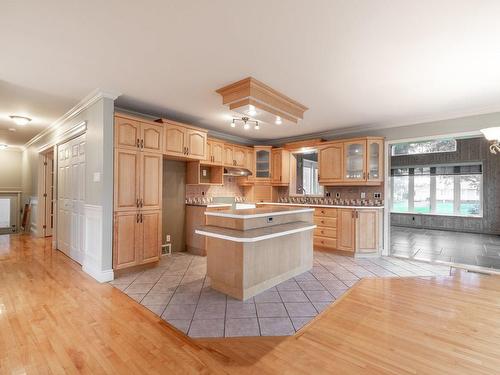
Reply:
x=433 y=201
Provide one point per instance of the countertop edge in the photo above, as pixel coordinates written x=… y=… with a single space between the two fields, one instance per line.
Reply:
x=253 y=216
x=320 y=205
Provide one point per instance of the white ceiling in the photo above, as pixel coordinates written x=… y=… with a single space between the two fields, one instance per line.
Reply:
x=353 y=63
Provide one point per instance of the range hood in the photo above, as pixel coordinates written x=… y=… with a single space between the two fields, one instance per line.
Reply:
x=236 y=172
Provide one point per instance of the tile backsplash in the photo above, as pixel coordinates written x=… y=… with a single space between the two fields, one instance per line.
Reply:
x=229 y=189
x=346 y=192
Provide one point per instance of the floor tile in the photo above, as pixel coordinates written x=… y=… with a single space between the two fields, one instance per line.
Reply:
x=181 y=324
x=210 y=297
x=139 y=287
x=242 y=327
x=156 y=299
x=241 y=310
x=136 y=296
x=300 y=309
x=321 y=306
x=217 y=311
x=288 y=285
x=207 y=328
x=267 y=296
x=276 y=326
x=179 y=311
x=156 y=309
x=293 y=296
x=298 y=323
x=271 y=310
x=185 y=298
x=311 y=285
x=319 y=296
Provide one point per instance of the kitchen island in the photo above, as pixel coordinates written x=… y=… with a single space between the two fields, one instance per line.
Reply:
x=251 y=250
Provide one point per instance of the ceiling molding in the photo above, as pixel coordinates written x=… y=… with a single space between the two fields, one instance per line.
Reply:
x=85 y=103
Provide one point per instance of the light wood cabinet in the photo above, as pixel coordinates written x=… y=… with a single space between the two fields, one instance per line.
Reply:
x=330 y=163
x=184 y=142
x=325 y=234
x=133 y=134
x=367 y=231
x=280 y=167
x=137 y=238
x=127 y=171
x=150 y=175
x=262 y=163
x=203 y=174
x=228 y=155
x=239 y=156
x=215 y=152
x=352 y=162
x=346 y=229
x=259 y=193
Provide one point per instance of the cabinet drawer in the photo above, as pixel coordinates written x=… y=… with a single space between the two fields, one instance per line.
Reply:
x=325 y=242
x=325 y=232
x=325 y=212
x=325 y=221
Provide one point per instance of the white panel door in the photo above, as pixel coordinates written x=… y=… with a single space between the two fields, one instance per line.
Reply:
x=71 y=198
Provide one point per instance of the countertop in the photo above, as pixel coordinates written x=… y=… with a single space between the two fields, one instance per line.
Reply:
x=252 y=213
x=210 y=205
x=319 y=205
x=254 y=235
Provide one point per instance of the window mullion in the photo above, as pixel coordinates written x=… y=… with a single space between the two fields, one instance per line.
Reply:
x=411 y=193
x=456 y=194
x=433 y=193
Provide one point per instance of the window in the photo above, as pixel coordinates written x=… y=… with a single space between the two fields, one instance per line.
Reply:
x=424 y=147
x=442 y=190
x=4 y=212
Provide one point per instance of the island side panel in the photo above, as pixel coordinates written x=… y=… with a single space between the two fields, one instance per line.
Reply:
x=258 y=222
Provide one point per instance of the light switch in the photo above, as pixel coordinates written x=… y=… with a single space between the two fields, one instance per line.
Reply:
x=97 y=177
x=363 y=195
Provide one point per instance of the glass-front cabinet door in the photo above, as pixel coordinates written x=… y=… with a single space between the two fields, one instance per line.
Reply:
x=375 y=159
x=263 y=163
x=355 y=160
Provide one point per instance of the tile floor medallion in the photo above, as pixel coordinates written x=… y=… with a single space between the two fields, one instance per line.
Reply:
x=446 y=246
x=179 y=291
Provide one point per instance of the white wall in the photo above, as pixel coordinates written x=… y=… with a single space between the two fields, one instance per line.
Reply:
x=10 y=170
x=98 y=117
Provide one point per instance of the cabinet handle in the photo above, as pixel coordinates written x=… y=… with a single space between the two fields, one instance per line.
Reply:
x=187 y=150
x=137 y=219
x=138 y=143
x=142 y=203
x=142 y=144
x=364 y=175
x=368 y=176
x=141 y=217
x=137 y=202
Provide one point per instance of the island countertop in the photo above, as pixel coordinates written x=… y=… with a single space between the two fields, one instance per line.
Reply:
x=252 y=213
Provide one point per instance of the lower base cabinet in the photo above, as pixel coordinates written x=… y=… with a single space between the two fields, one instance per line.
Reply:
x=137 y=238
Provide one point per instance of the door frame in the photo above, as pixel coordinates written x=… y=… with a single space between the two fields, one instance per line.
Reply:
x=42 y=189
x=75 y=131
x=386 y=250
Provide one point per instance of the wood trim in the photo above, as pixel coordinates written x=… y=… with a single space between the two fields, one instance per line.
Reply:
x=172 y=122
x=262 y=106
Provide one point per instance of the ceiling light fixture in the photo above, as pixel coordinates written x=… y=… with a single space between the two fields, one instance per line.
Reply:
x=20 y=120
x=278 y=120
x=493 y=134
x=246 y=123
x=3 y=146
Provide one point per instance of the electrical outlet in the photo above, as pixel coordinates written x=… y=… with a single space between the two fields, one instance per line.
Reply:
x=337 y=195
x=328 y=194
x=168 y=237
x=363 y=195
x=204 y=172
x=377 y=195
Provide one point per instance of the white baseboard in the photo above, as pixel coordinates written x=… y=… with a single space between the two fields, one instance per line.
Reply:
x=101 y=276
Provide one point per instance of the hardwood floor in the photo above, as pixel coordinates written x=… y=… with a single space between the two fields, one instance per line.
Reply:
x=56 y=319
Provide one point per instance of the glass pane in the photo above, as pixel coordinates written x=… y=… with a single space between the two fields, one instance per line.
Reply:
x=354 y=162
x=444 y=194
x=400 y=194
x=424 y=147
x=422 y=195
x=4 y=212
x=262 y=164
x=374 y=166
x=470 y=195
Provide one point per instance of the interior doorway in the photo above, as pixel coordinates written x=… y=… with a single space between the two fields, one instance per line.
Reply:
x=71 y=197
x=9 y=212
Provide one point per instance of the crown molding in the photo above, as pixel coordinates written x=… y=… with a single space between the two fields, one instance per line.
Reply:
x=86 y=102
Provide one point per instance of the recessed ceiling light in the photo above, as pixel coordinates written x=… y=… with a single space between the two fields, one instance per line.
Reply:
x=3 y=146
x=233 y=124
x=278 y=120
x=20 y=120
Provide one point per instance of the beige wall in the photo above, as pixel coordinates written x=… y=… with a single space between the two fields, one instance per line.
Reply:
x=10 y=170
x=174 y=210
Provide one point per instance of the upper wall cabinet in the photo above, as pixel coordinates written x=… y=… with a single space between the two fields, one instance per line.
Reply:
x=262 y=163
x=183 y=141
x=215 y=152
x=133 y=134
x=352 y=162
x=280 y=167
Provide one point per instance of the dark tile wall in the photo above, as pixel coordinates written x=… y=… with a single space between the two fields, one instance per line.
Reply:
x=468 y=150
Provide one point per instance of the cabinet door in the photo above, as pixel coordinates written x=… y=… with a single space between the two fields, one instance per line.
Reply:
x=276 y=166
x=250 y=164
x=355 y=161
x=263 y=164
x=196 y=144
x=151 y=181
x=126 y=239
x=330 y=163
x=127 y=133
x=262 y=193
x=217 y=153
x=151 y=236
x=228 y=155
x=239 y=156
x=208 y=159
x=367 y=231
x=152 y=138
x=375 y=160
x=175 y=140
x=346 y=229
x=126 y=179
